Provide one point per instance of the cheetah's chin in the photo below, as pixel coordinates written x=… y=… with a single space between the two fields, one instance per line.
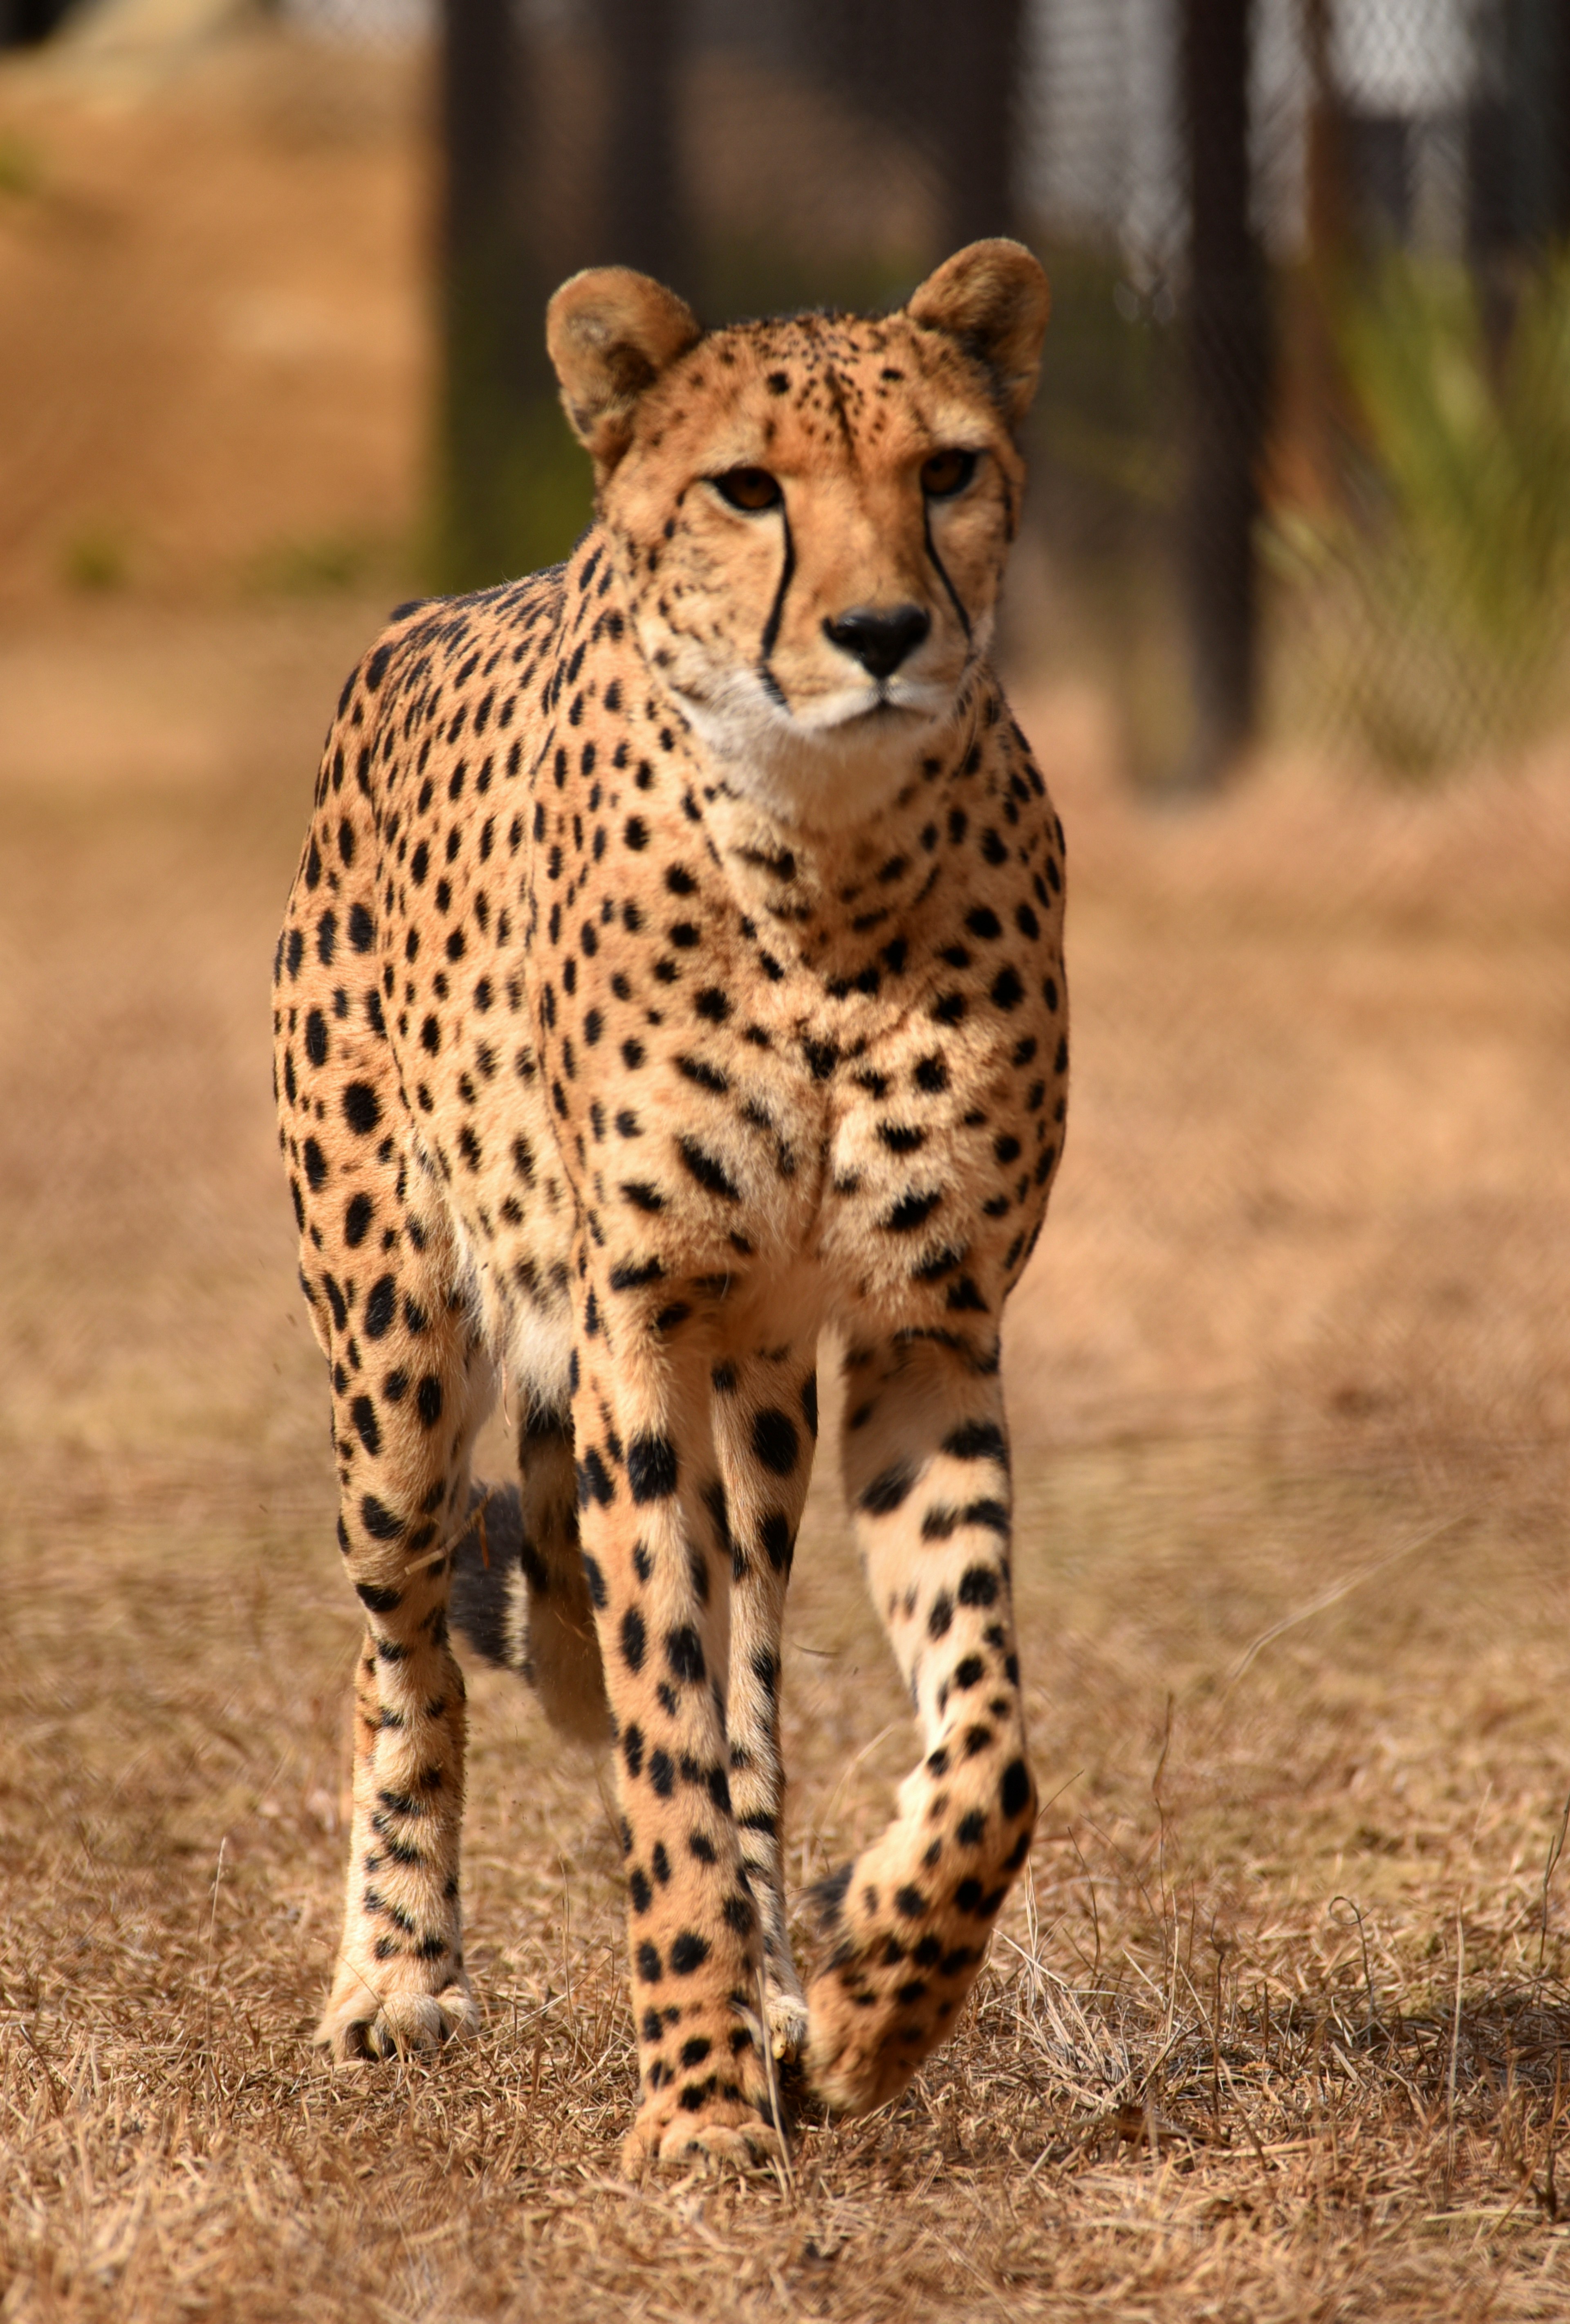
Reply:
x=843 y=763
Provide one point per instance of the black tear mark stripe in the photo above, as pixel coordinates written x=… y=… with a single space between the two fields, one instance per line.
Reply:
x=941 y=569
x=776 y=615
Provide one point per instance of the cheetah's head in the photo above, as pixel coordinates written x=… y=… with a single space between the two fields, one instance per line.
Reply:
x=811 y=515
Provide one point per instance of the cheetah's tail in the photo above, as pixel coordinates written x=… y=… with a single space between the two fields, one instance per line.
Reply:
x=505 y=1607
x=490 y=1601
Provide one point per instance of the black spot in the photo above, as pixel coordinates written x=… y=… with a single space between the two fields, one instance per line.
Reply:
x=942 y=1615
x=979 y=1586
x=689 y=1953
x=634 y=1639
x=357 y=1220
x=911 y=1211
x=595 y=1481
x=710 y=1173
x=362 y=1413
x=649 y=1967
x=885 y=1493
x=428 y=1399
x=381 y=1307
x=977 y=1440
x=316 y=1037
x=361 y=1108
x=989 y=1513
x=774 y=1440
x=316 y=1163
x=379 y=1523
x=684 y=1654
x=651 y=1468
x=775 y=1534
x=1015 y=1789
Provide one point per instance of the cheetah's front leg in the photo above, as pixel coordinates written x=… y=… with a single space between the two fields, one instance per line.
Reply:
x=926 y=1469
x=766 y=1423
x=658 y=1566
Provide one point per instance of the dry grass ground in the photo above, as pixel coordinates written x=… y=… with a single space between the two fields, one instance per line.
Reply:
x=1277 y=2029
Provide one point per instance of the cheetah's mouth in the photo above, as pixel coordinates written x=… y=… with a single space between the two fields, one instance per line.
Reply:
x=877 y=705
x=832 y=756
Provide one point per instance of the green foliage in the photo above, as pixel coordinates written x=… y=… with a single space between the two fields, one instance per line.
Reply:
x=1447 y=581
x=515 y=489
x=96 y=561
x=20 y=170
x=322 y=565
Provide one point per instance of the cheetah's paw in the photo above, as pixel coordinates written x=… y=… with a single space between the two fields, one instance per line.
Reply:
x=730 y=2136
x=855 y=2061
x=359 y=2025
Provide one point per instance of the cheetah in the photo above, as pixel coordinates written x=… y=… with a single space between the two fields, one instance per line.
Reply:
x=673 y=974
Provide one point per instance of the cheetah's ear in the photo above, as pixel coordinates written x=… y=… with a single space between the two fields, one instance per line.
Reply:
x=992 y=298
x=610 y=333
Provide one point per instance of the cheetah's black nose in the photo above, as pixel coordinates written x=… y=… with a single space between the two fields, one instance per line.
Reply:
x=879 y=641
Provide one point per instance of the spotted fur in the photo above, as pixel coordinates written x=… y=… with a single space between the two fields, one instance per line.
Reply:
x=673 y=971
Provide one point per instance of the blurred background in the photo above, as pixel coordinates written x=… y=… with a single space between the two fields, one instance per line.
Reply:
x=1302 y=455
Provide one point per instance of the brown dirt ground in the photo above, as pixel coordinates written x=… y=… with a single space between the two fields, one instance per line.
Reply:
x=1276 y=2028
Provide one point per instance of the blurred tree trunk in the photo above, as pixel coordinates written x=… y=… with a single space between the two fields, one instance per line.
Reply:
x=1228 y=370
x=973 y=57
x=23 y=22
x=645 y=211
x=946 y=77
x=491 y=377
x=513 y=489
x=1537 y=94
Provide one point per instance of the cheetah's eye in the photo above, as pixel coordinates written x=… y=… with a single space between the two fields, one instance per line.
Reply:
x=944 y=473
x=750 y=489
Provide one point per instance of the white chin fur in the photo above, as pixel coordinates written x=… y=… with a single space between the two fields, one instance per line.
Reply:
x=837 y=764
